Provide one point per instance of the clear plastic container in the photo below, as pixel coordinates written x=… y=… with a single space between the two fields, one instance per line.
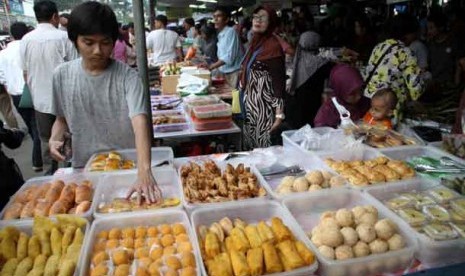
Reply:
x=192 y=101
x=117 y=186
x=253 y=212
x=436 y=213
x=458 y=205
x=442 y=194
x=307 y=209
x=222 y=165
x=220 y=110
x=405 y=153
x=212 y=124
x=440 y=232
x=179 y=124
x=67 y=179
x=430 y=252
x=165 y=102
x=289 y=143
x=159 y=155
x=134 y=220
x=26 y=227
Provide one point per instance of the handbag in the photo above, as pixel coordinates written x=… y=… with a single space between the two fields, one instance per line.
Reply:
x=236 y=102
x=26 y=98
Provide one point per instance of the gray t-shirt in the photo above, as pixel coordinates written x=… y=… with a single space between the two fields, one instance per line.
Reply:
x=98 y=109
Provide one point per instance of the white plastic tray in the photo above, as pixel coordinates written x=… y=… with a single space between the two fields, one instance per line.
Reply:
x=289 y=143
x=26 y=227
x=405 y=153
x=118 y=185
x=222 y=165
x=253 y=212
x=307 y=209
x=76 y=178
x=134 y=220
x=430 y=252
x=159 y=154
x=171 y=127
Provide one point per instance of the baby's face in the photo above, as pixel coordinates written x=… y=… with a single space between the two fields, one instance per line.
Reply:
x=380 y=109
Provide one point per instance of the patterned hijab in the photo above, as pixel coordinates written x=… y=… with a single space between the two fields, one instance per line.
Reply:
x=306 y=60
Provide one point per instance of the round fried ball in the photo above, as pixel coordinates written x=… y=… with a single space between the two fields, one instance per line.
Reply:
x=385 y=228
x=99 y=258
x=287 y=181
x=182 y=238
x=188 y=271
x=327 y=214
x=127 y=243
x=154 y=269
x=396 y=242
x=366 y=232
x=111 y=244
x=350 y=236
x=141 y=271
x=103 y=235
x=327 y=251
x=167 y=240
x=361 y=249
x=156 y=253
x=142 y=252
x=152 y=232
x=122 y=270
x=170 y=272
x=371 y=209
x=329 y=223
x=100 y=270
x=170 y=250
x=165 y=229
x=315 y=178
x=185 y=247
x=378 y=246
x=358 y=211
x=344 y=218
x=114 y=233
x=344 y=252
x=128 y=233
x=300 y=185
x=139 y=243
x=313 y=188
x=316 y=239
x=369 y=218
x=141 y=232
x=285 y=190
x=120 y=257
x=173 y=262
x=337 y=181
x=188 y=259
x=327 y=175
x=331 y=237
x=178 y=229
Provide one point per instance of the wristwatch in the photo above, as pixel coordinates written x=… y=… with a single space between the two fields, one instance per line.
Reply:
x=280 y=116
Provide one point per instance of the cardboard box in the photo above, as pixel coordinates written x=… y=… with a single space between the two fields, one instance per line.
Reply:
x=169 y=83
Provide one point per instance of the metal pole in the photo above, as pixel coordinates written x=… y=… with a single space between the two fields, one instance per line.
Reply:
x=141 y=50
x=5 y=6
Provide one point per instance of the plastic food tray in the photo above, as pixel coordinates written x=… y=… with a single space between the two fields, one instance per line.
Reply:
x=212 y=124
x=222 y=165
x=212 y=111
x=253 y=212
x=193 y=101
x=308 y=163
x=164 y=99
x=289 y=143
x=134 y=220
x=76 y=178
x=159 y=154
x=430 y=252
x=307 y=209
x=118 y=186
x=171 y=127
x=405 y=153
x=26 y=227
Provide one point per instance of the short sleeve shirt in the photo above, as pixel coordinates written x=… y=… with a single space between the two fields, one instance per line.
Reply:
x=98 y=109
x=163 y=44
x=229 y=50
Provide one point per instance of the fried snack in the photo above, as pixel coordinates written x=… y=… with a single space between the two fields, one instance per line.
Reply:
x=401 y=168
x=13 y=211
x=142 y=252
x=168 y=251
x=239 y=263
x=240 y=240
x=24 y=267
x=128 y=232
x=188 y=271
x=52 y=266
x=222 y=265
x=58 y=207
x=152 y=232
x=9 y=267
x=66 y=220
x=389 y=173
x=165 y=229
x=188 y=259
x=289 y=255
x=372 y=175
x=229 y=244
x=182 y=238
x=83 y=207
x=154 y=269
x=112 y=244
x=100 y=270
x=42 y=208
x=67 y=268
x=141 y=232
x=21 y=249
x=73 y=252
x=218 y=230
x=52 y=194
x=99 y=258
x=212 y=245
x=167 y=240
x=185 y=247
x=8 y=243
x=83 y=193
x=280 y=230
x=173 y=262
x=45 y=245
x=305 y=253
x=120 y=256
x=99 y=246
x=39 y=262
x=265 y=232
x=26 y=195
x=252 y=235
x=255 y=261
x=156 y=253
x=28 y=209
x=33 y=247
x=272 y=262
x=56 y=238
x=67 y=239
x=139 y=243
x=178 y=229
x=127 y=242
x=114 y=233
x=68 y=193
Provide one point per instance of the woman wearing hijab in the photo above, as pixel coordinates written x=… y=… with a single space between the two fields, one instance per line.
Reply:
x=262 y=81
x=307 y=83
x=346 y=83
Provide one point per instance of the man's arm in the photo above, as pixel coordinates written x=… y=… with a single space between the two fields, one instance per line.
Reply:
x=217 y=64
x=57 y=137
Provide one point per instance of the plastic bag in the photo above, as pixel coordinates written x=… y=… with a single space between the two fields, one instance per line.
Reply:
x=324 y=139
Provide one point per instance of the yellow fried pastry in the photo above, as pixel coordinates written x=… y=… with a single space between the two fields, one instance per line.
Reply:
x=73 y=252
x=99 y=258
x=182 y=238
x=78 y=237
x=255 y=261
x=280 y=230
x=305 y=253
x=272 y=262
x=67 y=239
x=239 y=263
x=142 y=252
x=168 y=251
x=128 y=233
x=289 y=255
x=127 y=242
x=240 y=240
x=33 y=247
x=173 y=262
x=156 y=253
x=212 y=245
x=141 y=232
x=114 y=233
x=52 y=266
x=252 y=235
x=112 y=244
x=120 y=256
x=229 y=244
x=188 y=271
x=388 y=173
x=122 y=270
x=56 y=237
x=178 y=229
x=9 y=267
x=8 y=242
x=265 y=232
x=100 y=270
x=188 y=259
x=138 y=243
x=167 y=240
x=45 y=244
x=39 y=262
x=165 y=229
x=21 y=249
x=152 y=232
x=67 y=268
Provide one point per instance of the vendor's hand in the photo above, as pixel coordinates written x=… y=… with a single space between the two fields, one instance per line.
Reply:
x=276 y=125
x=146 y=186
x=55 y=150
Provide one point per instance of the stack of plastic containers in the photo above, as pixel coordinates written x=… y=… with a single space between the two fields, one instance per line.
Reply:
x=211 y=117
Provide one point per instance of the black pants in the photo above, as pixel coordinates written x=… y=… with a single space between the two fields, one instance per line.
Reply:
x=29 y=118
x=11 y=177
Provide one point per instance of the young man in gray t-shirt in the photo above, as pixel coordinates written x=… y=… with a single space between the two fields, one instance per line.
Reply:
x=99 y=100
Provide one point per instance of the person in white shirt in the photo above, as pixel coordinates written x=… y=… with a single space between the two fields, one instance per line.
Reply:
x=10 y=65
x=64 y=17
x=42 y=50
x=165 y=44
x=189 y=27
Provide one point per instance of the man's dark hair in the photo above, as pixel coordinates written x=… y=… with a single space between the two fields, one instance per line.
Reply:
x=92 y=18
x=162 y=18
x=402 y=25
x=190 y=21
x=65 y=15
x=18 y=30
x=439 y=20
x=209 y=31
x=224 y=10
x=130 y=25
x=44 y=10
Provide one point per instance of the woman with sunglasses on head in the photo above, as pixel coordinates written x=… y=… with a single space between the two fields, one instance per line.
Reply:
x=262 y=81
